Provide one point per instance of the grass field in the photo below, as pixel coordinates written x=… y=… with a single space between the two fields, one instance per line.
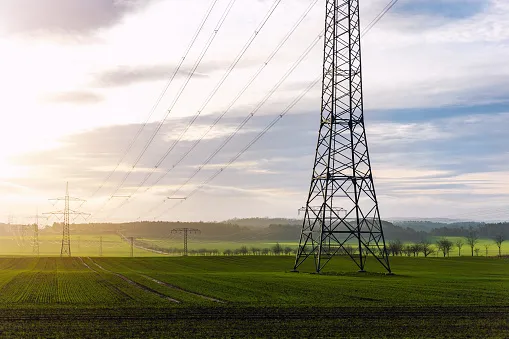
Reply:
x=481 y=245
x=81 y=245
x=114 y=246
x=196 y=244
x=253 y=297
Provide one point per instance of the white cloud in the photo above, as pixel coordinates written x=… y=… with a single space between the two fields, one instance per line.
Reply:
x=410 y=60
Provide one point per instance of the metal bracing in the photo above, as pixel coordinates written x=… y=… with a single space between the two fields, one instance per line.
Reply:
x=185 y=231
x=342 y=205
x=65 y=250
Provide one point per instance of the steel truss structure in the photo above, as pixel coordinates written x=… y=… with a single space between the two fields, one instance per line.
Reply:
x=65 y=250
x=342 y=206
x=185 y=231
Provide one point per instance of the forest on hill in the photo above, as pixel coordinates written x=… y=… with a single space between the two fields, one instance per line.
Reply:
x=267 y=229
x=429 y=225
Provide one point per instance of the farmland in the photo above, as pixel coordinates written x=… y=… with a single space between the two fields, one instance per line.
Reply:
x=226 y=296
x=82 y=245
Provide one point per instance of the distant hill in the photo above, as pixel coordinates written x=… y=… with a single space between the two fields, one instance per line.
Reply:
x=428 y=225
x=263 y=222
x=435 y=220
x=266 y=229
x=287 y=231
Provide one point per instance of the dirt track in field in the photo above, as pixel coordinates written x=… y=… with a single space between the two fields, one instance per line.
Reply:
x=183 y=290
x=132 y=282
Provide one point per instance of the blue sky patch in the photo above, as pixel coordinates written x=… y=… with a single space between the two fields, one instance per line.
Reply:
x=409 y=115
x=455 y=9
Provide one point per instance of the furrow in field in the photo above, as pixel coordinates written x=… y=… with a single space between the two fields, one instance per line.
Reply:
x=136 y=284
x=106 y=283
x=181 y=289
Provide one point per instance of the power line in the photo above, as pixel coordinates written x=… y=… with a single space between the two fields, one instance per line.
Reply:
x=211 y=95
x=257 y=108
x=161 y=95
x=182 y=89
x=379 y=17
x=368 y=28
x=252 y=142
x=243 y=90
x=250 y=115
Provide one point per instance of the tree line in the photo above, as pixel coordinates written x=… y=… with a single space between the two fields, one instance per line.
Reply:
x=276 y=249
x=444 y=246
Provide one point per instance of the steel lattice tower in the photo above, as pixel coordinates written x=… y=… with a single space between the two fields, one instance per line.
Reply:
x=342 y=205
x=186 y=231
x=101 y=246
x=35 y=237
x=66 y=236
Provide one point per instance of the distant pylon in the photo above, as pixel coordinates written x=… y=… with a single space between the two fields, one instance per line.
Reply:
x=131 y=239
x=342 y=208
x=186 y=231
x=35 y=238
x=66 y=236
x=101 y=246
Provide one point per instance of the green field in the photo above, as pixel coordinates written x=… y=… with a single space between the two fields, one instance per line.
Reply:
x=81 y=245
x=114 y=246
x=196 y=243
x=481 y=245
x=252 y=296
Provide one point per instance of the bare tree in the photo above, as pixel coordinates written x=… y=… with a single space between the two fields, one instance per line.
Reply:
x=486 y=246
x=499 y=239
x=426 y=247
x=407 y=249
x=395 y=247
x=256 y=250
x=445 y=246
x=277 y=249
x=472 y=239
x=459 y=245
x=477 y=249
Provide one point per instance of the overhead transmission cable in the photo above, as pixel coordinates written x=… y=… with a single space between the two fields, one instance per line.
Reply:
x=211 y=95
x=182 y=89
x=179 y=94
x=253 y=112
x=251 y=143
x=242 y=91
x=368 y=28
x=160 y=97
x=379 y=17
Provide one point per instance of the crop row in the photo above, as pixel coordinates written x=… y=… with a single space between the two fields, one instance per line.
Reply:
x=66 y=281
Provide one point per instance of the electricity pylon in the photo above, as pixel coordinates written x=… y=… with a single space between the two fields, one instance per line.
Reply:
x=66 y=236
x=35 y=237
x=101 y=246
x=185 y=231
x=342 y=206
x=131 y=240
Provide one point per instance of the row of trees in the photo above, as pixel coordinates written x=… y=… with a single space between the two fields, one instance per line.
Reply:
x=277 y=249
x=443 y=246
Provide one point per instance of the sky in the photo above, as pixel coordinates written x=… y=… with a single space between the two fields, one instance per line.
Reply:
x=86 y=85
